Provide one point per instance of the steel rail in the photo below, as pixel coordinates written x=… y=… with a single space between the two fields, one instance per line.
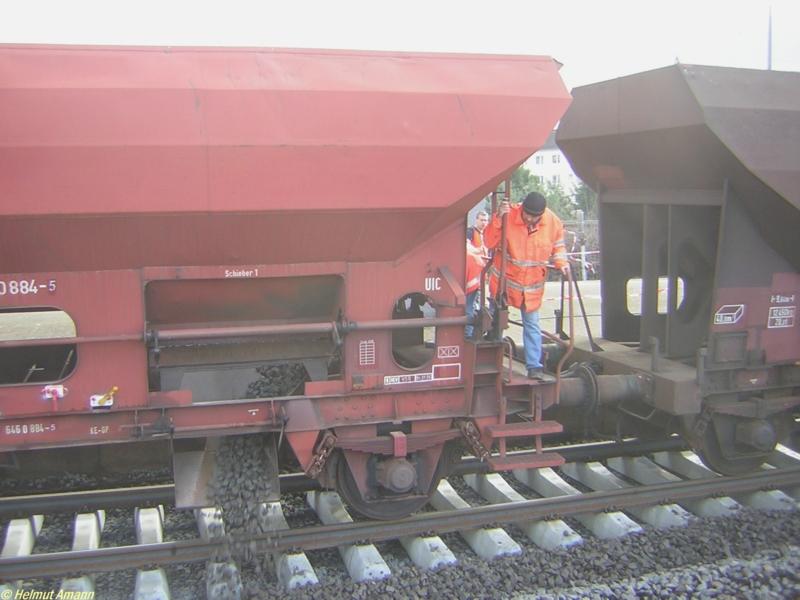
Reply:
x=85 y=500
x=153 y=495
x=326 y=536
x=593 y=451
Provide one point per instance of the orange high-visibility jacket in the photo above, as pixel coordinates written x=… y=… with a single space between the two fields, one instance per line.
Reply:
x=528 y=256
x=475 y=237
x=475 y=250
x=474 y=268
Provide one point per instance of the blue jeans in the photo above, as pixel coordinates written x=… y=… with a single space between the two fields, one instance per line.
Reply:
x=470 y=310
x=532 y=338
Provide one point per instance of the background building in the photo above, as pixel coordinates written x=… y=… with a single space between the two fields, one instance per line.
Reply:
x=549 y=165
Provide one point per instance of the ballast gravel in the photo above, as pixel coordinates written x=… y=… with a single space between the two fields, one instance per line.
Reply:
x=242 y=481
x=277 y=380
x=755 y=554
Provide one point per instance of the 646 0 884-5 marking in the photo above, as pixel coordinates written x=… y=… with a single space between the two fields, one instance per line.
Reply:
x=25 y=428
x=24 y=287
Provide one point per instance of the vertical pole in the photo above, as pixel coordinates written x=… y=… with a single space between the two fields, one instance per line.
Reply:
x=501 y=308
x=769 y=41
x=504 y=256
x=503 y=314
x=672 y=277
x=581 y=225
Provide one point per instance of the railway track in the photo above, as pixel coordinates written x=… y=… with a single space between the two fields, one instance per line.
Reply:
x=164 y=494
x=609 y=500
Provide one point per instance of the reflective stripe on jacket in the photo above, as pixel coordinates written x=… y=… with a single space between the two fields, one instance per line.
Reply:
x=528 y=256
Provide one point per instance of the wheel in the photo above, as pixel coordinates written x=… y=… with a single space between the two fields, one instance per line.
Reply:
x=730 y=458
x=387 y=507
x=712 y=457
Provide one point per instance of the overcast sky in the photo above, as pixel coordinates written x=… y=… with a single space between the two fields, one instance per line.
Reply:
x=594 y=39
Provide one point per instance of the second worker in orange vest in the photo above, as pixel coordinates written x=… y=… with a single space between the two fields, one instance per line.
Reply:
x=477 y=256
x=534 y=237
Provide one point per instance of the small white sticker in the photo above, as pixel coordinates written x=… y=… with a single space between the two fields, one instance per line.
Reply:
x=780 y=317
x=729 y=314
x=416 y=378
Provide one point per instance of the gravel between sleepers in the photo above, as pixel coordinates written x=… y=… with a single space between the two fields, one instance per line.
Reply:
x=752 y=555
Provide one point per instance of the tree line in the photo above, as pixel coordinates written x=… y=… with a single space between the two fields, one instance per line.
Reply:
x=565 y=205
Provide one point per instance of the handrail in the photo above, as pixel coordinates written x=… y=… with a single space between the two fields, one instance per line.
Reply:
x=123 y=337
x=304 y=328
x=571 y=344
x=245 y=331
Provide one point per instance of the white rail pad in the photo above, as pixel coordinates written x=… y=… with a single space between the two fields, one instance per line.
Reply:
x=223 y=581
x=88 y=528
x=364 y=563
x=151 y=585
x=546 y=482
x=86 y=536
x=486 y=543
x=292 y=570
x=149 y=525
x=645 y=471
x=21 y=536
x=78 y=587
x=209 y=522
x=689 y=465
x=428 y=553
x=597 y=477
x=549 y=534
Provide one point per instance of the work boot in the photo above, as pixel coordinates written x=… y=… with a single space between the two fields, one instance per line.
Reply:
x=535 y=373
x=539 y=374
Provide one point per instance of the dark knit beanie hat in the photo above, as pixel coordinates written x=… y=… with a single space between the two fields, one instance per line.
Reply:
x=534 y=204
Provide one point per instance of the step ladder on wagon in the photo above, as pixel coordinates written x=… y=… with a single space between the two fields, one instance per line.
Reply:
x=499 y=378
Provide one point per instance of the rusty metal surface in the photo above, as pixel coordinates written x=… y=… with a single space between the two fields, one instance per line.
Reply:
x=202 y=156
x=698 y=171
x=193 y=470
x=691 y=127
x=174 y=414
x=231 y=193
x=386 y=444
x=674 y=385
x=242 y=299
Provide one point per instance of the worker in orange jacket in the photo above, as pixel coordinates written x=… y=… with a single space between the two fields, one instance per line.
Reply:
x=534 y=237
x=477 y=256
